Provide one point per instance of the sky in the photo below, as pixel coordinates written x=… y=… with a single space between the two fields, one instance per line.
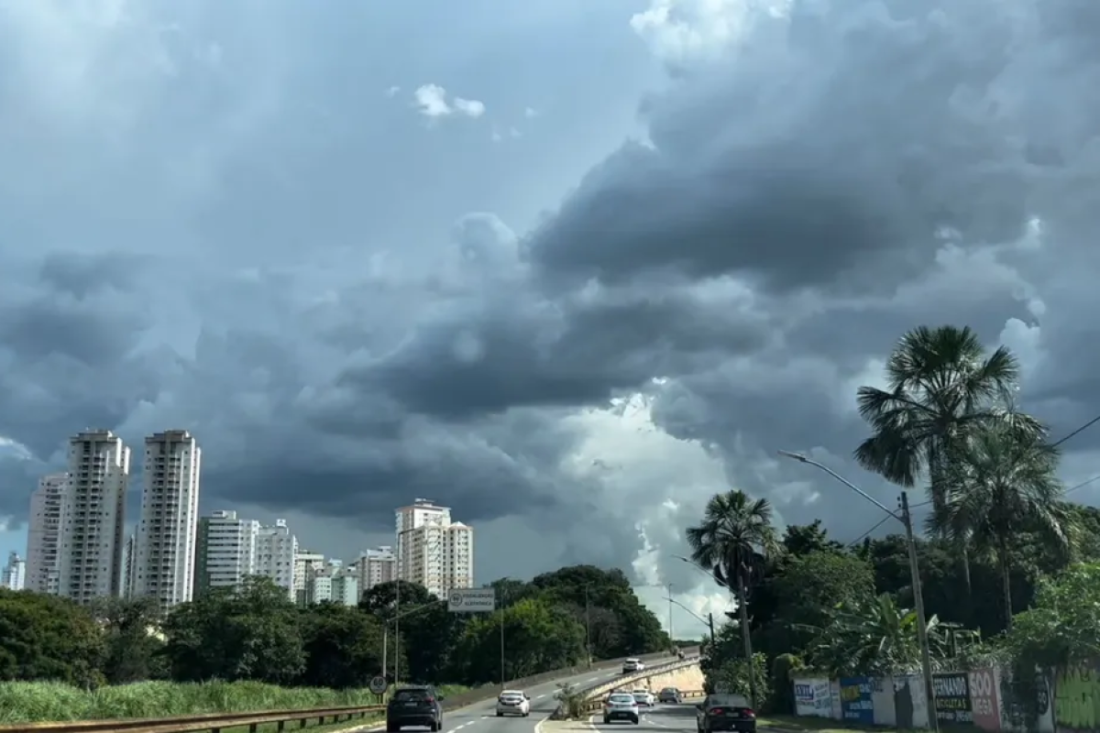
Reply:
x=567 y=267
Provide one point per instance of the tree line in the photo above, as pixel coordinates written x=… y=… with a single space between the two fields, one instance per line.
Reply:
x=256 y=633
x=1002 y=550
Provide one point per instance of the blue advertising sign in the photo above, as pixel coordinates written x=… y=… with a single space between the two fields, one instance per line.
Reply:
x=855 y=699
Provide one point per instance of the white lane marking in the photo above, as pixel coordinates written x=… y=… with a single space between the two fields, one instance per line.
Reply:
x=591 y=679
x=539 y=697
x=469 y=722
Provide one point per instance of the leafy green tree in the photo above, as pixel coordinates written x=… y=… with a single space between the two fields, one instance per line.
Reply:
x=872 y=636
x=44 y=637
x=734 y=540
x=250 y=634
x=635 y=630
x=429 y=632
x=342 y=645
x=538 y=636
x=133 y=644
x=1003 y=484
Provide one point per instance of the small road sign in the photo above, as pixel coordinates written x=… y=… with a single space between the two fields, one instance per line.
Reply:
x=378 y=685
x=471 y=600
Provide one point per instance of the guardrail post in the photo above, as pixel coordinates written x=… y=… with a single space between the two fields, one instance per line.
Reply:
x=282 y=724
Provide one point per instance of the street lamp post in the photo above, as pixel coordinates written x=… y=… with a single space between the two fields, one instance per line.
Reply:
x=709 y=620
x=396 y=620
x=587 y=627
x=671 y=636
x=914 y=570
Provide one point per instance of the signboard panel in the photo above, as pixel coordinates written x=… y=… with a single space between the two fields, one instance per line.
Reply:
x=953 y=697
x=471 y=600
x=855 y=699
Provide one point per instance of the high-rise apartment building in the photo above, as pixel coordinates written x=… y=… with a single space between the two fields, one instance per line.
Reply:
x=129 y=557
x=93 y=515
x=165 y=562
x=225 y=551
x=276 y=552
x=374 y=567
x=15 y=573
x=432 y=550
x=43 y=533
x=306 y=562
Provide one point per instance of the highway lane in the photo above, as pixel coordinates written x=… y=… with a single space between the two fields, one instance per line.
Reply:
x=481 y=717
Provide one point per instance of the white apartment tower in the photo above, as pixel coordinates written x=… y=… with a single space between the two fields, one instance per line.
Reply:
x=43 y=533
x=225 y=553
x=164 y=560
x=93 y=514
x=306 y=562
x=432 y=550
x=375 y=567
x=276 y=553
x=15 y=573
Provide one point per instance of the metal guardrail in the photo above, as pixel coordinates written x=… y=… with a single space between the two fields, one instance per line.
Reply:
x=627 y=679
x=211 y=722
x=216 y=722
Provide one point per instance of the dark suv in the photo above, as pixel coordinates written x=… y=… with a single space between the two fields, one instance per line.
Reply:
x=418 y=706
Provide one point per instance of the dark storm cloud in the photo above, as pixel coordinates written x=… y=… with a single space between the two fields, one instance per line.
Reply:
x=801 y=199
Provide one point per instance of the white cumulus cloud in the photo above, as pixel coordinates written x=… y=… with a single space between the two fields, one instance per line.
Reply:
x=431 y=100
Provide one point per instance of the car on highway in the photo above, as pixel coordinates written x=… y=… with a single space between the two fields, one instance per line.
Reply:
x=620 y=706
x=633 y=665
x=644 y=698
x=417 y=705
x=513 y=702
x=722 y=712
x=670 y=695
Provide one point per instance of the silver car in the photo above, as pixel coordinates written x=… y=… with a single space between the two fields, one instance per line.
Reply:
x=513 y=702
x=620 y=706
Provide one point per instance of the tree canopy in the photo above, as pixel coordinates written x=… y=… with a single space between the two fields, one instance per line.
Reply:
x=256 y=633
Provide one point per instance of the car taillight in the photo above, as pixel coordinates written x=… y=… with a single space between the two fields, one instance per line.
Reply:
x=716 y=711
x=748 y=712
x=430 y=700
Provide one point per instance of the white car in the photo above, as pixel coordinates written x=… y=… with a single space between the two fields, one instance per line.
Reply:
x=620 y=706
x=644 y=698
x=633 y=665
x=513 y=702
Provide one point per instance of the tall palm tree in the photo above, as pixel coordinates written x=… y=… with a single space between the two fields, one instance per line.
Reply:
x=734 y=538
x=1003 y=484
x=942 y=388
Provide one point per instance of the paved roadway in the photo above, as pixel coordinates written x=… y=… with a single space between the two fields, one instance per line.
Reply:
x=660 y=719
x=481 y=717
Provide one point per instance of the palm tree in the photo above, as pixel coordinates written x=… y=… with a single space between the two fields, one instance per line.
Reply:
x=1004 y=484
x=733 y=540
x=942 y=389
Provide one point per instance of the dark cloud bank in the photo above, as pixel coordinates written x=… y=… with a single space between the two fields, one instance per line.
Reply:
x=802 y=199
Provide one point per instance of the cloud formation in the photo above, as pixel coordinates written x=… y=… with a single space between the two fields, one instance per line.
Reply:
x=431 y=99
x=237 y=243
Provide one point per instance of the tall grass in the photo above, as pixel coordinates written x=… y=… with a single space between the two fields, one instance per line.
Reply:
x=33 y=702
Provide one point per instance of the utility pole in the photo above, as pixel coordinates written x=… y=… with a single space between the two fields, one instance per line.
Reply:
x=671 y=637
x=397 y=633
x=914 y=570
x=710 y=622
x=500 y=602
x=587 y=628
x=922 y=622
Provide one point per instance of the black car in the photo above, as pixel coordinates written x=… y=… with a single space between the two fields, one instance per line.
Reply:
x=725 y=713
x=419 y=706
x=670 y=695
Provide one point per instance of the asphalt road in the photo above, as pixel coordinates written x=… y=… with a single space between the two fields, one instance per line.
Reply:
x=660 y=719
x=481 y=717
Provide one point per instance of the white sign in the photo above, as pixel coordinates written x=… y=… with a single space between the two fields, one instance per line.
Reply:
x=378 y=685
x=472 y=600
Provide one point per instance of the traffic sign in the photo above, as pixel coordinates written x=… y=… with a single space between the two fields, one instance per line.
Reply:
x=378 y=685
x=471 y=600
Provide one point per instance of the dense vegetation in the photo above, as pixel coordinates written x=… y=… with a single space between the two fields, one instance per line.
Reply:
x=1010 y=569
x=256 y=634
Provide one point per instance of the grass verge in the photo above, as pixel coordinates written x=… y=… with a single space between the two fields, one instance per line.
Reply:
x=39 y=702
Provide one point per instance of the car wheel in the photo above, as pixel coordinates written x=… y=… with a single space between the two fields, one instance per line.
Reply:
x=637 y=721
x=607 y=721
x=392 y=728
x=500 y=714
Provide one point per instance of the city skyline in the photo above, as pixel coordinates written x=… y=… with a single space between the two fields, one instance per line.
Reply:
x=81 y=546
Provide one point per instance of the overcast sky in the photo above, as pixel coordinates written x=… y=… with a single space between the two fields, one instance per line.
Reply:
x=568 y=267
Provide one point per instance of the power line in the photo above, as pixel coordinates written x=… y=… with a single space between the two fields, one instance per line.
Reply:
x=1083 y=484
x=866 y=534
x=1084 y=427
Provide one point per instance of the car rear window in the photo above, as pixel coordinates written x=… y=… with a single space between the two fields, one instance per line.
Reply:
x=727 y=701
x=411 y=695
x=621 y=698
x=670 y=689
